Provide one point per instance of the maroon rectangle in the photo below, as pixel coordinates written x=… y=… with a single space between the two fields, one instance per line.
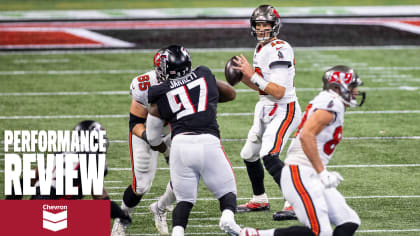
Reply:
x=84 y=217
x=43 y=38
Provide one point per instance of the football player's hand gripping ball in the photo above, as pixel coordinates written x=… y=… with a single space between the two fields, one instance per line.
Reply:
x=233 y=76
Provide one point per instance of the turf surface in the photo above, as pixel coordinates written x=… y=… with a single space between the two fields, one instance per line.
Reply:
x=386 y=196
x=132 y=4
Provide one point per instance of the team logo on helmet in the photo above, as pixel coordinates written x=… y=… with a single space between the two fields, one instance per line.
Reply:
x=344 y=79
x=156 y=59
x=276 y=13
x=341 y=77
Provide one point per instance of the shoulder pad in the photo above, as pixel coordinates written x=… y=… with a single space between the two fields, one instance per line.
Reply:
x=156 y=91
x=329 y=102
x=140 y=86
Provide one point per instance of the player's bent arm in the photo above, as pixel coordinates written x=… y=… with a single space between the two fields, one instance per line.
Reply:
x=255 y=81
x=313 y=126
x=154 y=126
x=278 y=77
x=138 y=115
x=246 y=69
x=247 y=82
x=226 y=91
x=275 y=90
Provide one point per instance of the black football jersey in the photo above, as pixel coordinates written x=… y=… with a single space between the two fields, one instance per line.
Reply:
x=188 y=103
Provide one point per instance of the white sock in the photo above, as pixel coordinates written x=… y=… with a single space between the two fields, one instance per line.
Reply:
x=260 y=198
x=286 y=204
x=268 y=232
x=166 y=200
x=177 y=231
x=228 y=213
x=230 y=217
x=126 y=209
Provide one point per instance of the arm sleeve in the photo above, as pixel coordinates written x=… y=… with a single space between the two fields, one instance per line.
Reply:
x=280 y=76
x=154 y=127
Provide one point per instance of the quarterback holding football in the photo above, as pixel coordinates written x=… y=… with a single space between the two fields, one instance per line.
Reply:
x=277 y=113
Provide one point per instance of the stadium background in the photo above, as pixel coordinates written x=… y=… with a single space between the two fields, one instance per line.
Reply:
x=52 y=81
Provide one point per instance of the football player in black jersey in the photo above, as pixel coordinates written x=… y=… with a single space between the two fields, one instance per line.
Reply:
x=187 y=100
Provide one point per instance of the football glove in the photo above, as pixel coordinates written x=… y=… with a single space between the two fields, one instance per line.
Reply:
x=330 y=179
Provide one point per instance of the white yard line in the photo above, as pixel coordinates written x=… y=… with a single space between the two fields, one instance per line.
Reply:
x=219 y=114
x=345 y=138
x=40 y=61
x=69 y=72
x=123 y=92
x=67 y=93
x=205 y=50
x=203 y=226
x=329 y=166
x=281 y=198
x=388 y=230
x=358 y=231
x=62 y=117
x=379 y=69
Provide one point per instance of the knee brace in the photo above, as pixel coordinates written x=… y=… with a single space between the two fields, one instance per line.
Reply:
x=256 y=176
x=130 y=198
x=228 y=201
x=142 y=187
x=346 y=229
x=251 y=149
x=143 y=162
x=274 y=165
x=181 y=214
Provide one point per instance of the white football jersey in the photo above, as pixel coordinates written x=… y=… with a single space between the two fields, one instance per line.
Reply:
x=271 y=56
x=328 y=138
x=141 y=84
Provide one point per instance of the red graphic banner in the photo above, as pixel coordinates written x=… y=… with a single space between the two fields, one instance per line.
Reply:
x=55 y=217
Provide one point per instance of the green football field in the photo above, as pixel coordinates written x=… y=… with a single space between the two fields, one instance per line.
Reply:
x=378 y=157
x=10 y=5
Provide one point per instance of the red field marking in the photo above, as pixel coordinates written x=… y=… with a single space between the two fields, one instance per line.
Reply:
x=42 y=38
x=157 y=24
x=412 y=22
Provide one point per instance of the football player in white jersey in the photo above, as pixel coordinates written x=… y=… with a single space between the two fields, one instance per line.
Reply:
x=144 y=158
x=305 y=181
x=277 y=113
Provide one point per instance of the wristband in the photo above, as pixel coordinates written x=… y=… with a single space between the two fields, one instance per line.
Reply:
x=259 y=81
x=144 y=137
x=134 y=120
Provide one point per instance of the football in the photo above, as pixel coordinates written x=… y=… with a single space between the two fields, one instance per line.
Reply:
x=233 y=76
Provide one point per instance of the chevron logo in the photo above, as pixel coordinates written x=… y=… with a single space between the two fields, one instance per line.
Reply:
x=54 y=221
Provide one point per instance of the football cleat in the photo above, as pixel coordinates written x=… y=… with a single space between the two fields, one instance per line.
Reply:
x=160 y=218
x=286 y=214
x=253 y=206
x=118 y=229
x=249 y=232
x=228 y=225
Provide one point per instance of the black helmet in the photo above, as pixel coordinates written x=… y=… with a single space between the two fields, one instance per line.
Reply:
x=343 y=78
x=265 y=13
x=90 y=125
x=175 y=62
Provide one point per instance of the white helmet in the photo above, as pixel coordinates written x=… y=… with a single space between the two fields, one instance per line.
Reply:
x=345 y=79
